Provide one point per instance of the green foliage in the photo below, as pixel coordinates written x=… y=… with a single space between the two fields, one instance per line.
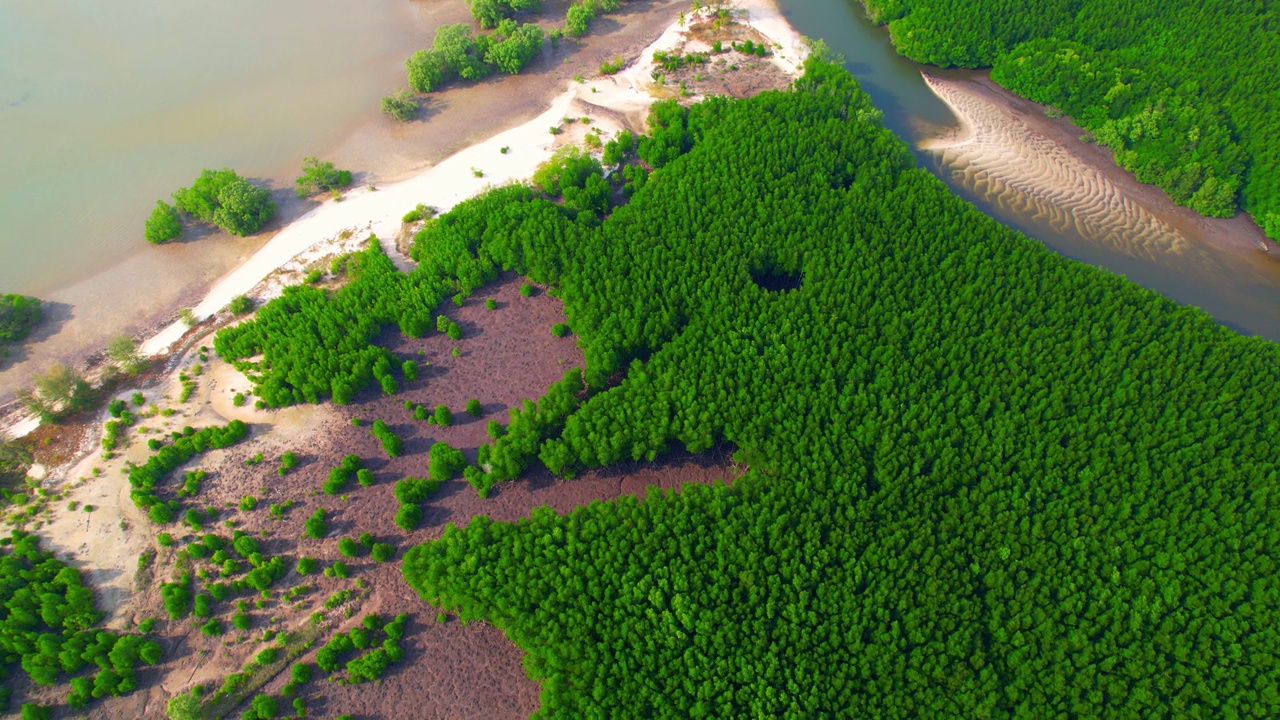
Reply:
x=47 y=625
x=569 y=167
x=227 y=200
x=473 y=408
x=34 y=711
x=455 y=53
x=320 y=176
x=265 y=707
x=146 y=478
x=489 y=13
x=619 y=149
x=611 y=67
x=400 y=106
x=408 y=517
x=577 y=17
x=391 y=442
x=410 y=370
x=248 y=502
x=59 y=391
x=307 y=565
x=163 y=225
x=559 y=330
x=411 y=491
x=984 y=480
x=445 y=462
x=330 y=353
x=382 y=552
x=316 y=527
x=240 y=305
x=1180 y=91
x=348 y=547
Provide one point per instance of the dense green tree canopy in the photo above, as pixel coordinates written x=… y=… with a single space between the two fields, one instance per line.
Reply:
x=48 y=622
x=1184 y=91
x=985 y=480
x=223 y=198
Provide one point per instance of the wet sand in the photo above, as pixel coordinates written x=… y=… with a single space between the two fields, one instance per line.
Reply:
x=145 y=291
x=1007 y=150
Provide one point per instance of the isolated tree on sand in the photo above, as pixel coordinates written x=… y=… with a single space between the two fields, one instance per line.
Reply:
x=58 y=392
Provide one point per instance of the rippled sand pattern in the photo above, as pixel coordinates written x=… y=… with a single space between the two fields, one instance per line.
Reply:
x=1001 y=158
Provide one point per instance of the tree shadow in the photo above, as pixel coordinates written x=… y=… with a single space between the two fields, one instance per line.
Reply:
x=54 y=316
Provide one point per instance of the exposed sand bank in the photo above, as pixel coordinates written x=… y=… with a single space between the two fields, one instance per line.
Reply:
x=1007 y=151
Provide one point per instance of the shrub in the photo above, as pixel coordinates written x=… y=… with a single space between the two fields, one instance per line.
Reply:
x=383 y=552
x=306 y=565
x=411 y=491
x=318 y=176
x=611 y=67
x=348 y=547
x=213 y=628
x=240 y=305
x=443 y=416
x=315 y=526
x=408 y=517
x=526 y=290
x=248 y=502
x=490 y=304
x=391 y=442
x=340 y=569
x=410 y=369
x=338 y=479
x=241 y=621
x=444 y=462
x=559 y=330
x=265 y=707
x=163 y=225
x=473 y=407
x=288 y=461
x=227 y=200
x=32 y=711
x=400 y=105
x=267 y=656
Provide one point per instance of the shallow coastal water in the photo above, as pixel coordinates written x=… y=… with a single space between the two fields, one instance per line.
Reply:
x=105 y=107
x=1021 y=172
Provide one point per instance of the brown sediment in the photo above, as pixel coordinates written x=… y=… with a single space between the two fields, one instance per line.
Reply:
x=450 y=670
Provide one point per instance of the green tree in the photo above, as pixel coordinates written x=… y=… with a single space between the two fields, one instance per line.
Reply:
x=164 y=224
x=123 y=351
x=400 y=105
x=243 y=208
x=320 y=176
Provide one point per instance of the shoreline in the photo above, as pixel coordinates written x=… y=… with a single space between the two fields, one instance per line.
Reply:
x=336 y=226
x=1015 y=156
x=147 y=285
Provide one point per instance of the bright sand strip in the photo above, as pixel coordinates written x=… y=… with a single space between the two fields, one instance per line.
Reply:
x=379 y=212
x=1003 y=158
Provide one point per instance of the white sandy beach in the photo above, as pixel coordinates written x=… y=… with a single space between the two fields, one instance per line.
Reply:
x=367 y=211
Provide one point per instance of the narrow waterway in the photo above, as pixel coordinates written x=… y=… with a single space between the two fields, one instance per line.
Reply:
x=1122 y=226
